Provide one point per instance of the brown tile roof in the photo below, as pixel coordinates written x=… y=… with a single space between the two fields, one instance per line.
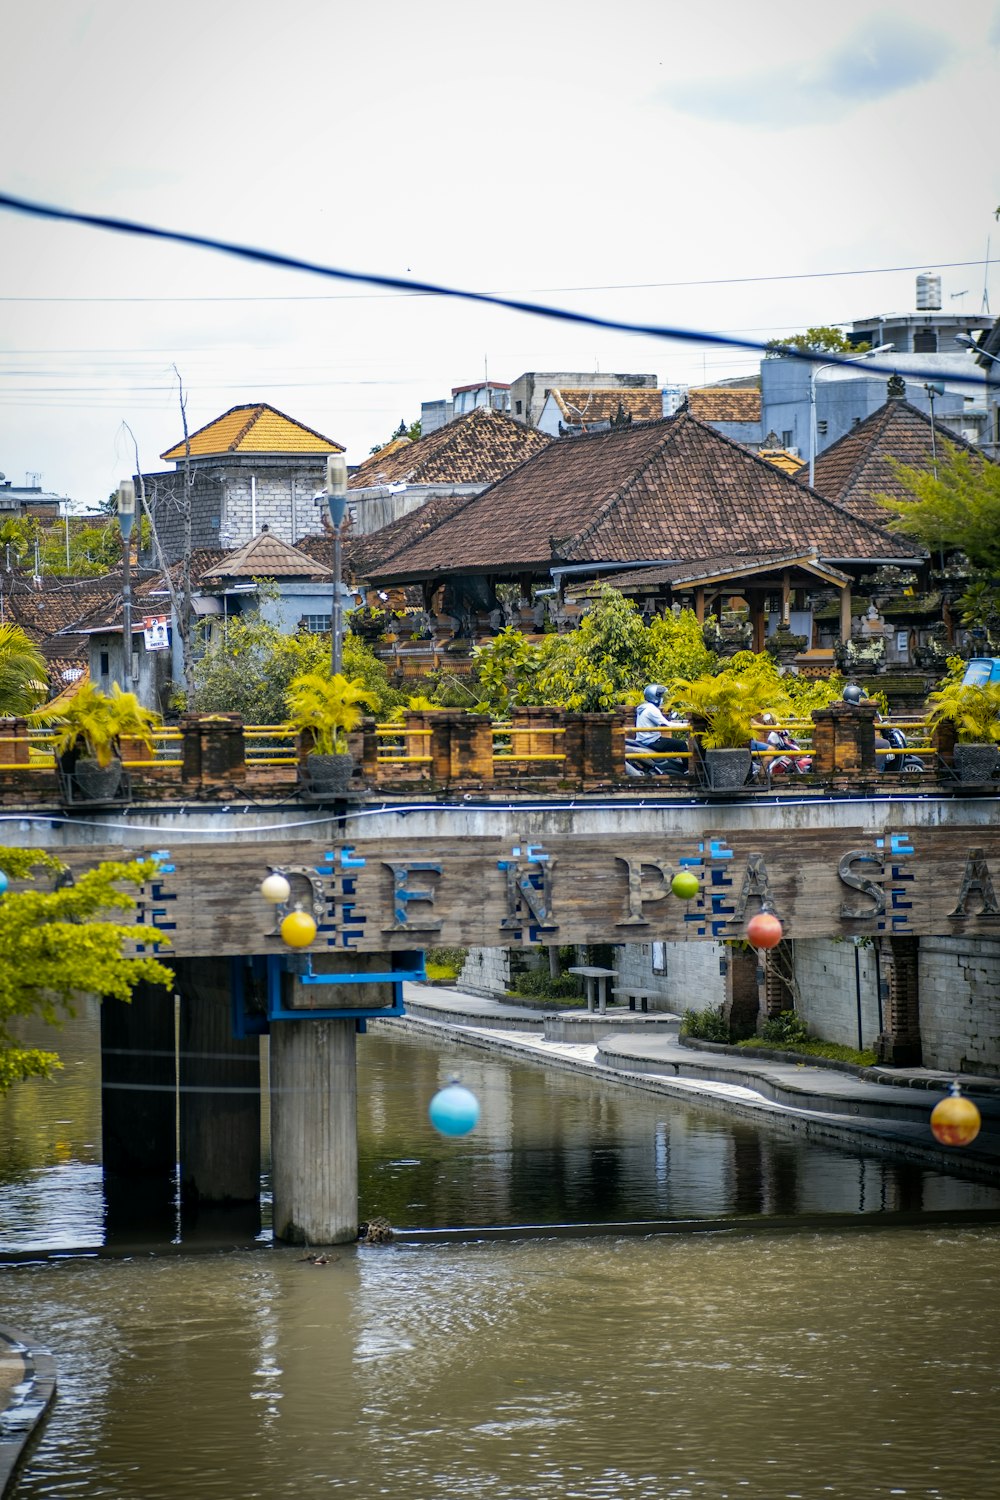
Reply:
x=855 y=468
x=370 y=552
x=258 y=428
x=55 y=606
x=583 y=407
x=726 y=565
x=723 y=403
x=475 y=449
x=669 y=491
x=265 y=556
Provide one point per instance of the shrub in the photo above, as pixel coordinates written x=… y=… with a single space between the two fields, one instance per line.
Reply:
x=783 y=1030
x=705 y=1025
x=443 y=965
x=539 y=985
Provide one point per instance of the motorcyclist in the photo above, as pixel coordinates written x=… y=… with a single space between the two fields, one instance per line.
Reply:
x=650 y=719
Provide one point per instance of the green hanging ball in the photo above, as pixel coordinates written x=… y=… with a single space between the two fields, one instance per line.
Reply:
x=685 y=885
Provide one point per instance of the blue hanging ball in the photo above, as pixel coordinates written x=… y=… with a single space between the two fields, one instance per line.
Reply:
x=454 y=1110
x=3 y=882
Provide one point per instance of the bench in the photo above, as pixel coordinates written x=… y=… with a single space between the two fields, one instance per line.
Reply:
x=596 y=981
x=634 y=996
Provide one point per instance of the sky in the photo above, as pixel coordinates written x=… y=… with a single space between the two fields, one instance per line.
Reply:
x=747 y=169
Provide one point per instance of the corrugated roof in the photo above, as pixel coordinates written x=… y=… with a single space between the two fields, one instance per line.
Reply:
x=723 y=403
x=856 y=467
x=673 y=490
x=257 y=428
x=475 y=449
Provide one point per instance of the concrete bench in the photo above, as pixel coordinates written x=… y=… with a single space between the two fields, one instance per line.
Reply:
x=634 y=996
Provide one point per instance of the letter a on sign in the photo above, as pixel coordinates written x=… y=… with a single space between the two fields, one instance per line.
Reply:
x=977 y=881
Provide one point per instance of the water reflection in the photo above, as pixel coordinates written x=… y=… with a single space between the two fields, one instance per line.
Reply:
x=551 y=1148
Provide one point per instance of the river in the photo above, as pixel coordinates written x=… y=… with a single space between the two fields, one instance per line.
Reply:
x=817 y=1322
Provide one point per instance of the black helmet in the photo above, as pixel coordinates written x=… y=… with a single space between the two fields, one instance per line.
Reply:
x=853 y=694
x=654 y=693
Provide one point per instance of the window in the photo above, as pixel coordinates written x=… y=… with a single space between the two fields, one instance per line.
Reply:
x=317 y=624
x=821 y=427
x=517 y=408
x=786 y=437
x=105 y=664
x=925 y=341
x=659 y=958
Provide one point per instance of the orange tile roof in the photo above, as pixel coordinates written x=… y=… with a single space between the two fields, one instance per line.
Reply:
x=724 y=403
x=789 y=463
x=258 y=428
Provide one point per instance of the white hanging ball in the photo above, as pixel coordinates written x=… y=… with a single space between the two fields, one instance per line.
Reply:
x=275 y=889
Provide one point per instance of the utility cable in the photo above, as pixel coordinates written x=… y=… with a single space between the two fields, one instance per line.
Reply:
x=398 y=284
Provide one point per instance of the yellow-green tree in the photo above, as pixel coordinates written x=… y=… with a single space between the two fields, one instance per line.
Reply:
x=23 y=673
x=58 y=944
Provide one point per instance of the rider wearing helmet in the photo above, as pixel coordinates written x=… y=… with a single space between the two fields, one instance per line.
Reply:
x=649 y=720
x=853 y=694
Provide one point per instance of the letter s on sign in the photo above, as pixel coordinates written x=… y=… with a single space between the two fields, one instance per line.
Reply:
x=872 y=888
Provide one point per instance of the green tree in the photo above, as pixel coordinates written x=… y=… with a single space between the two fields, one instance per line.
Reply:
x=56 y=945
x=23 y=674
x=249 y=666
x=955 y=509
x=413 y=432
x=824 y=339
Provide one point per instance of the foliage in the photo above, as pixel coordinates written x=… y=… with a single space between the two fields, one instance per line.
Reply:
x=611 y=655
x=974 y=711
x=705 y=1025
x=784 y=1029
x=443 y=965
x=97 y=722
x=538 y=984
x=249 y=667
x=823 y=339
x=728 y=703
x=23 y=674
x=831 y=1051
x=958 y=508
x=412 y=432
x=328 y=708
x=58 y=944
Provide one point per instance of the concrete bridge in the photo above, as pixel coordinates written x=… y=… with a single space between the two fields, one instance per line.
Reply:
x=392 y=871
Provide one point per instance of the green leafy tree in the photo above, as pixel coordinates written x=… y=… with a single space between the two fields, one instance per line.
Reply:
x=23 y=674
x=56 y=945
x=955 y=509
x=413 y=432
x=824 y=339
x=249 y=667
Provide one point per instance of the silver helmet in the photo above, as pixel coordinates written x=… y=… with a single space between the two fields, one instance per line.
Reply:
x=654 y=693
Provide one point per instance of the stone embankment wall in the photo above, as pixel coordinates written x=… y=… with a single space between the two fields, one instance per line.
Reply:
x=960 y=1004
x=829 y=987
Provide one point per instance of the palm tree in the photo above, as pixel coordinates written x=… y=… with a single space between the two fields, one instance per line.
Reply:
x=23 y=674
x=328 y=708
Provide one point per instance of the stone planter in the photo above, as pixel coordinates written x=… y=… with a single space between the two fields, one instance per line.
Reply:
x=727 y=769
x=976 y=762
x=328 y=775
x=96 y=783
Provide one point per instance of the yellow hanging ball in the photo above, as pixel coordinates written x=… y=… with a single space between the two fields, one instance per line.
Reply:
x=298 y=929
x=955 y=1121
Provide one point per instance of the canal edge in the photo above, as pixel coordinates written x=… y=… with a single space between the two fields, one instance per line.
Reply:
x=27 y=1390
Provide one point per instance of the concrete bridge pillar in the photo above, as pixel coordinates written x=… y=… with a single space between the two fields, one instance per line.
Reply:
x=314 y=1143
x=219 y=1090
x=138 y=1083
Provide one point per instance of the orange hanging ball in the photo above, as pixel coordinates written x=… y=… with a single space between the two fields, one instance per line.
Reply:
x=764 y=930
x=298 y=929
x=955 y=1120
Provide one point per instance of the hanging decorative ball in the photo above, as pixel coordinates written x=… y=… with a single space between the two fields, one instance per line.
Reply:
x=3 y=882
x=454 y=1110
x=298 y=929
x=275 y=889
x=764 y=930
x=955 y=1120
x=685 y=885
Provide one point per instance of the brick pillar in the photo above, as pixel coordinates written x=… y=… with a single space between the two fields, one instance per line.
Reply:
x=213 y=748
x=460 y=746
x=844 y=739
x=369 y=749
x=899 y=1045
x=741 y=1006
x=14 y=742
x=943 y=739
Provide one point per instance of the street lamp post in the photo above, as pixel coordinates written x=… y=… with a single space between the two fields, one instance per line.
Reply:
x=126 y=519
x=853 y=359
x=336 y=499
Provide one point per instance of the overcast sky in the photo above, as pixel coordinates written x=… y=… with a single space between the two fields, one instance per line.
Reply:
x=588 y=155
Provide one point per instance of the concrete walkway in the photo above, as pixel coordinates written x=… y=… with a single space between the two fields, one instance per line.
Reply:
x=27 y=1387
x=888 y=1109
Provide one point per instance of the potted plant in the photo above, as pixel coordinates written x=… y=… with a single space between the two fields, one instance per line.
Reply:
x=721 y=710
x=324 y=710
x=89 y=729
x=975 y=713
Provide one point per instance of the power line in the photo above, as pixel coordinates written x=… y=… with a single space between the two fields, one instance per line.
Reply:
x=395 y=283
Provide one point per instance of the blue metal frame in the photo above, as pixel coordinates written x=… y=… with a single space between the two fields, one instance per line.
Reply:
x=406 y=965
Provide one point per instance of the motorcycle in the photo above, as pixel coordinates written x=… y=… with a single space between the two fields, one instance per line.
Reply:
x=646 y=764
x=795 y=761
x=904 y=762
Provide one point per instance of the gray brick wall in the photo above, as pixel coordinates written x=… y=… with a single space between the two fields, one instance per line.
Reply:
x=828 y=987
x=692 y=980
x=960 y=1004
